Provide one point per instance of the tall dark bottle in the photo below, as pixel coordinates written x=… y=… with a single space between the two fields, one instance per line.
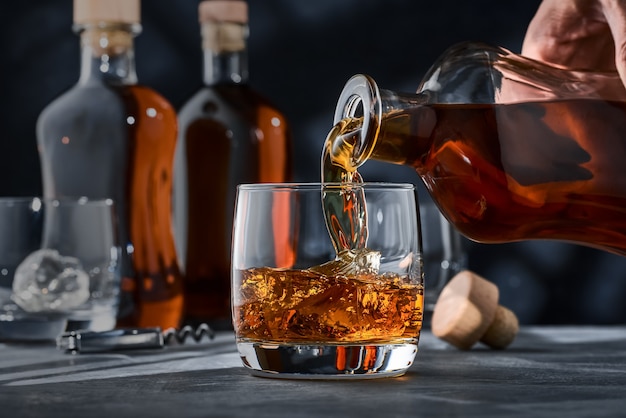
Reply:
x=229 y=134
x=109 y=137
x=509 y=148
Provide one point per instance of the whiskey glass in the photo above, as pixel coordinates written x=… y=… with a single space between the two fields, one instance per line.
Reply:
x=321 y=291
x=444 y=252
x=58 y=266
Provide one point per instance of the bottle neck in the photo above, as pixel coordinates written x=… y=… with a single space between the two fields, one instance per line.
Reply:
x=107 y=53
x=377 y=123
x=225 y=54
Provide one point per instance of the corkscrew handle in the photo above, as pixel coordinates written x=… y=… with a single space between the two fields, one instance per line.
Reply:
x=129 y=339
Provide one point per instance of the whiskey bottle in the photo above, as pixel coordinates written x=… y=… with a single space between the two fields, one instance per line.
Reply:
x=509 y=148
x=109 y=137
x=229 y=134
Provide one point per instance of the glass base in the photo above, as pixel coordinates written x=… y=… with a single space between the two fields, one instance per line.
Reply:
x=32 y=327
x=319 y=361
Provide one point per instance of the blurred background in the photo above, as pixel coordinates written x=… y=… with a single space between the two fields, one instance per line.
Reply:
x=300 y=55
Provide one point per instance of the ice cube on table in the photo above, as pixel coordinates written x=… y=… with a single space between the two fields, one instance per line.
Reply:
x=49 y=281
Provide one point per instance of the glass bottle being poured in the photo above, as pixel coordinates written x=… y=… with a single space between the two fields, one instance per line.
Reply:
x=509 y=148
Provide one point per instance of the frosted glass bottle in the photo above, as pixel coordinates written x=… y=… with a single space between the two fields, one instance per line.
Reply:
x=109 y=137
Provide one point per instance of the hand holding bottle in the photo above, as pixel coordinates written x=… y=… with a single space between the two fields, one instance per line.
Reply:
x=580 y=34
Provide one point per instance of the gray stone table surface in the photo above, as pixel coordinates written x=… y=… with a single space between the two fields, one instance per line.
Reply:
x=547 y=371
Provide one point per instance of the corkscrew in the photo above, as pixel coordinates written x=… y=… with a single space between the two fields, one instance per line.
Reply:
x=131 y=338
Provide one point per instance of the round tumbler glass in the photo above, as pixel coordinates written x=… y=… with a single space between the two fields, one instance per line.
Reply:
x=58 y=267
x=444 y=252
x=327 y=279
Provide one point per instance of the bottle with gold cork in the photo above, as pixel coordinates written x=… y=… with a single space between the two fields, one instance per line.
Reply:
x=110 y=137
x=229 y=134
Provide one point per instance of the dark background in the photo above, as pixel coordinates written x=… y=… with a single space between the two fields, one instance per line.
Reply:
x=301 y=54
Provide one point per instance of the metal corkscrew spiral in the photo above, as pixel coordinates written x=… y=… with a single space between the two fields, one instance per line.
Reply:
x=181 y=335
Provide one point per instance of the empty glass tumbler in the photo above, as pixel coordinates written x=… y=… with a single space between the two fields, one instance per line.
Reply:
x=58 y=267
x=445 y=253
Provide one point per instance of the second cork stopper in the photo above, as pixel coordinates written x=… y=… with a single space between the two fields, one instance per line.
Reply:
x=467 y=311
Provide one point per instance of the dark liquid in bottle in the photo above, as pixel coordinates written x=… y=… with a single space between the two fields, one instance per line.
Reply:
x=509 y=172
x=230 y=135
x=118 y=142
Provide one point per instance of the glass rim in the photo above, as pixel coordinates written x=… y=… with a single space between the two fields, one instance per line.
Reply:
x=54 y=201
x=384 y=186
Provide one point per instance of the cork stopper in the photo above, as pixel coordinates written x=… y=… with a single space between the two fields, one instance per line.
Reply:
x=117 y=11
x=224 y=25
x=467 y=311
x=234 y=11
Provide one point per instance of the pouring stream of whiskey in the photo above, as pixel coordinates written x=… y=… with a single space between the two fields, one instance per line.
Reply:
x=345 y=212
